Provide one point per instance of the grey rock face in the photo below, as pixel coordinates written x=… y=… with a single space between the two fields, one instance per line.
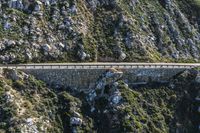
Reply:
x=109 y=78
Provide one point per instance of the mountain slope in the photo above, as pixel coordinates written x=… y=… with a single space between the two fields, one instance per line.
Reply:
x=27 y=105
x=99 y=30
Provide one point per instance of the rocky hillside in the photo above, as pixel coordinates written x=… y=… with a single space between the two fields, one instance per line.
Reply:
x=27 y=105
x=99 y=30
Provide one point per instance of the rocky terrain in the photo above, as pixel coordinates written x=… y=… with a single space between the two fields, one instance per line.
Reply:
x=28 y=105
x=99 y=30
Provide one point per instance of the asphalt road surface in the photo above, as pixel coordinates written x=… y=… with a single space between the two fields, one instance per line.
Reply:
x=100 y=65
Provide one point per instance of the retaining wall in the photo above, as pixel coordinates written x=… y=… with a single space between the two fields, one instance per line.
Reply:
x=86 y=78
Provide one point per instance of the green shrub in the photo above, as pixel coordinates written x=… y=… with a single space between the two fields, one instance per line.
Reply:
x=19 y=84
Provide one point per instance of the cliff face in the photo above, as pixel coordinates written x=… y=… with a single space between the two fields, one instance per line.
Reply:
x=28 y=105
x=99 y=30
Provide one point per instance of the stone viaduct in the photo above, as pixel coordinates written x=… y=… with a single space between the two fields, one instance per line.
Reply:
x=85 y=75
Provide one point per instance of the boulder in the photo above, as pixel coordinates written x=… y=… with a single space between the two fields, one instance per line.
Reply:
x=7 y=26
x=122 y=56
x=38 y=6
x=10 y=43
x=73 y=9
x=47 y=47
x=91 y=96
x=116 y=99
x=61 y=45
x=28 y=55
x=9 y=97
x=82 y=55
x=2 y=46
x=76 y=121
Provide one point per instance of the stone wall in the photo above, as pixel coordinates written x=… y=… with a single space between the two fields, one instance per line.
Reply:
x=86 y=78
x=153 y=74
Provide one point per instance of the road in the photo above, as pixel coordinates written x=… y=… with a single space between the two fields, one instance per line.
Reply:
x=100 y=65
